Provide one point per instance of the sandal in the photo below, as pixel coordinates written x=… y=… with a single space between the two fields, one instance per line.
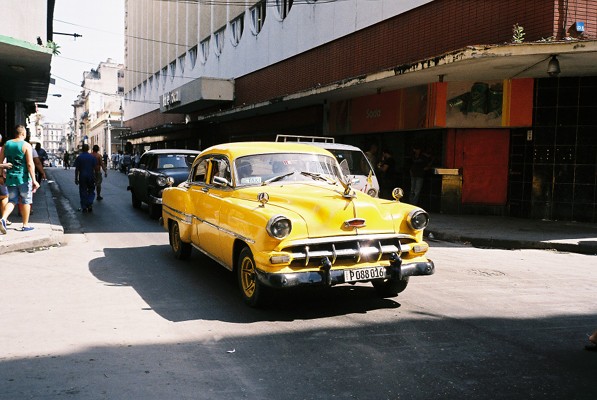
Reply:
x=26 y=228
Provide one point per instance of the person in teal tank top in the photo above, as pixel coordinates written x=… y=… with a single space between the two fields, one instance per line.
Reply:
x=20 y=178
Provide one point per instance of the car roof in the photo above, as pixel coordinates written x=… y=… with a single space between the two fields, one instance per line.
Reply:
x=172 y=151
x=240 y=149
x=335 y=146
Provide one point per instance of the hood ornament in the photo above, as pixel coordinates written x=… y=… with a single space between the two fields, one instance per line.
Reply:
x=263 y=198
x=346 y=181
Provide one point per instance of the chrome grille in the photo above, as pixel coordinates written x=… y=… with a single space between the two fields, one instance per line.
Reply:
x=346 y=252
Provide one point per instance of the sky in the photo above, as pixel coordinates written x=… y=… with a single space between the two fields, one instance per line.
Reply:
x=102 y=25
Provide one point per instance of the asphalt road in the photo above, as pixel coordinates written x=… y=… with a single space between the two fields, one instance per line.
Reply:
x=112 y=315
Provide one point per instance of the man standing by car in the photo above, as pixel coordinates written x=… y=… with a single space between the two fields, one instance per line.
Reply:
x=98 y=171
x=20 y=179
x=84 y=177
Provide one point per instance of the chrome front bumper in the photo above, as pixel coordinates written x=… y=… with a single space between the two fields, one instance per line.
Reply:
x=328 y=277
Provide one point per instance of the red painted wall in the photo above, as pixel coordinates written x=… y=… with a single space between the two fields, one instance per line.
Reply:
x=482 y=156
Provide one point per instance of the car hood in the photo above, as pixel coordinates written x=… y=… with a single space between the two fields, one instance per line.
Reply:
x=324 y=210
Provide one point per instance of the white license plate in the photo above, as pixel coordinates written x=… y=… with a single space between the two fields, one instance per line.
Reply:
x=364 y=274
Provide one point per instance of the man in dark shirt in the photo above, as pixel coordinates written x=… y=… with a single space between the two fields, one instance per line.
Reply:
x=420 y=163
x=85 y=178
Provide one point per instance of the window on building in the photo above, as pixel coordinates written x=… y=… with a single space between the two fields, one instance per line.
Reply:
x=150 y=82
x=219 y=41
x=236 y=29
x=157 y=80
x=164 y=75
x=193 y=56
x=283 y=7
x=181 y=62
x=204 y=50
x=258 y=16
x=172 y=70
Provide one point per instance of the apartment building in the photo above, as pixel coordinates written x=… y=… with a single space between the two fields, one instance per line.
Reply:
x=54 y=138
x=98 y=108
x=500 y=94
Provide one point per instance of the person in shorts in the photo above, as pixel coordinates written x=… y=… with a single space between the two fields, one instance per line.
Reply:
x=20 y=178
x=98 y=171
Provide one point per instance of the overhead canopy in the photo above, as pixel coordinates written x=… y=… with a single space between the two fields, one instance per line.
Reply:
x=24 y=70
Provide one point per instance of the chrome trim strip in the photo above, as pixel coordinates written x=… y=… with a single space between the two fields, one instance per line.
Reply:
x=188 y=218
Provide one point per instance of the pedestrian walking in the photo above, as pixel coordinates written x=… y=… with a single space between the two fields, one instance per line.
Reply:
x=66 y=160
x=593 y=340
x=20 y=178
x=85 y=177
x=127 y=160
x=420 y=164
x=3 y=189
x=387 y=174
x=98 y=171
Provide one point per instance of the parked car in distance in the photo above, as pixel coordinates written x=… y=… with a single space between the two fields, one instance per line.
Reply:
x=157 y=170
x=282 y=215
x=358 y=164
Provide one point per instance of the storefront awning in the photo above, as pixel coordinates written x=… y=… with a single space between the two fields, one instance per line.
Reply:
x=24 y=70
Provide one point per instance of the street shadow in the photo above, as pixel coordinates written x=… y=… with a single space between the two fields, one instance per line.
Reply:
x=417 y=357
x=200 y=288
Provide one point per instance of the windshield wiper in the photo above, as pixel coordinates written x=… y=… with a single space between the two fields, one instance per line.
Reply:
x=276 y=178
x=319 y=177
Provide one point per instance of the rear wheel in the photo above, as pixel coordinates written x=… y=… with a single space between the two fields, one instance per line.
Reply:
x=181 y=250
x=390 y=287
x=252 y=291
x=135 y=200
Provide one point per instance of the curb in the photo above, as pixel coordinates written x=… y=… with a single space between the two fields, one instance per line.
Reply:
x=510 y=244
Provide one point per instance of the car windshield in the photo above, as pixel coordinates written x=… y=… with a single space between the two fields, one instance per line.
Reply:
x=262 y=169
x=166 y=161
x=357 y=162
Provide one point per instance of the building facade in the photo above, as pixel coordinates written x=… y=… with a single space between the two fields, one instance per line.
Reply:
x=98 y=108
x=54 y=138
x=497 y=93
x=24 y=60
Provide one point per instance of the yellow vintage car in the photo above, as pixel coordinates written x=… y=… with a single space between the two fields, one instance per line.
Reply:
x=282 y=215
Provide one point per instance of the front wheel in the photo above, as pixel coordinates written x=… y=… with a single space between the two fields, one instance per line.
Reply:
x=253 y=292
x=390 y=287
x=181 y=250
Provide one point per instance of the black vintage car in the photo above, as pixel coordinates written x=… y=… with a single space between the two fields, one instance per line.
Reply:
x=157 y=170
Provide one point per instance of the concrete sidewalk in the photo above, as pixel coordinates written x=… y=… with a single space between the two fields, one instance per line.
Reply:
x=47 y=230
x=478 y=230
x=514 y=233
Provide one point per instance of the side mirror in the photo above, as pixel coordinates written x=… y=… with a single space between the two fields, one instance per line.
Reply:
x=219 y=181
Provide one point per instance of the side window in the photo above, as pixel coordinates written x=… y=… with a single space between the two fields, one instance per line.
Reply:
x=144 y=161
x=198 y=172
x=152 y=163
x=221 y=168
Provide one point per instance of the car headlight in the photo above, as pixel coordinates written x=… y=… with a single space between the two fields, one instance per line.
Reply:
x=164 y=181
x=418 y=219
x=279 y=227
